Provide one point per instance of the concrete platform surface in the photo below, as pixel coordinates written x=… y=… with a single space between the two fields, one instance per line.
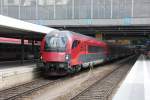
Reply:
x=136 y=85
x=5 y=72
x=16 y=75
x=16 y=63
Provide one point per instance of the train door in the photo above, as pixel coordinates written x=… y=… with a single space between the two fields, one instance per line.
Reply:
x=85 y=63
x=75 y=49
x=84 y=52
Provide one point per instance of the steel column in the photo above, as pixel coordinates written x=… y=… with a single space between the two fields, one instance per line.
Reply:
x=91 y=9
x=54 y=17
x=36 y=10
x=33 y=49
x=111 y=9
x=19 y=10
x=1 y=6
x=73 y=9
x=132 y=9
x=22 y=50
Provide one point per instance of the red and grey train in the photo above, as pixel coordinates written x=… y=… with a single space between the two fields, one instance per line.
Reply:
x=64 y=52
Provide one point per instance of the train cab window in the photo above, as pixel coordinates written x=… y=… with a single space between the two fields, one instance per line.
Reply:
x=75 y=43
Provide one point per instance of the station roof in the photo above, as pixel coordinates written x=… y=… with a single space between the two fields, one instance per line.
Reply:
x=14 y=28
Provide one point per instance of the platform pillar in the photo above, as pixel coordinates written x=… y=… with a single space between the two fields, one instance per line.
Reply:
x=33 y=50
x=22 y=50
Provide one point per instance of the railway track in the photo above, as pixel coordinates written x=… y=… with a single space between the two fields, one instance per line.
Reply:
x=102 y=89
x=25 y=90
x=22 y=90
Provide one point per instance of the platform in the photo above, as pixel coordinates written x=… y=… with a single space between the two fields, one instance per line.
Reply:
x=16 y=74
x=16 y=63
x=136 y=85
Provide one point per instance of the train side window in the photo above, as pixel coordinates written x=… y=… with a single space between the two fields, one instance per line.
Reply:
x=75 y=43
x=94 y=49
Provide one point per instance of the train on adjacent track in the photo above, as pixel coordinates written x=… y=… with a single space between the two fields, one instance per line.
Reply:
x=65 y=52
x=10 y=49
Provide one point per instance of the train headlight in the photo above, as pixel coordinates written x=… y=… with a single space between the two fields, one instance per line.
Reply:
x=67 y=57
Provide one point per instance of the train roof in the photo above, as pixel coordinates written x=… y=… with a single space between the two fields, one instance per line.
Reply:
x=78 y=36
x=86 y=38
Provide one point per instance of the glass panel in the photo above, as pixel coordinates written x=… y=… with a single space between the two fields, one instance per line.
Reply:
x=99 y=9
x=63 y=9
x=12 y=8
x=28 y=9
x=122 y=8
x=94 y=49
x=76 y=9
x=116 y=8
x=75 y=43
x=13 y=11
x=128 y=8
x=5 y=7
x=82 y=9
x=56 y=41
x=142 y=8
x=46 y=9
x=108 y=9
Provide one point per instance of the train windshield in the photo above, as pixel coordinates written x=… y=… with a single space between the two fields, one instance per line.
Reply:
x=55 y=43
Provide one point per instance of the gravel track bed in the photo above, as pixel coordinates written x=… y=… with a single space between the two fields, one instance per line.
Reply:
x=102 y=89
x=22 y=90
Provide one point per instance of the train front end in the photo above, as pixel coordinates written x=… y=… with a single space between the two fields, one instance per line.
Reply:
x=55 y=53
